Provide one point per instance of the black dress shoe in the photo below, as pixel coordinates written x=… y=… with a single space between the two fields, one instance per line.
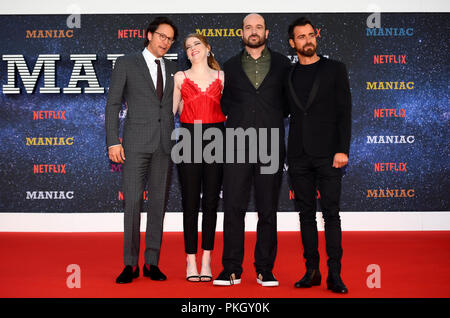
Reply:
x=127 y=275
x=335 y=284
x=311 y=278
x=154 y=273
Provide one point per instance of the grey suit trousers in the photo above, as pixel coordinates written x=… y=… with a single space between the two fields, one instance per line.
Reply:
x=139 y=168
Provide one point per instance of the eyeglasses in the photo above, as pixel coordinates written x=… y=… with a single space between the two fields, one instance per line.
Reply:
x=164 y=37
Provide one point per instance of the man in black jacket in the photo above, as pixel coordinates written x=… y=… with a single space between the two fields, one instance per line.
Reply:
x=253 y=99
x=318 y=147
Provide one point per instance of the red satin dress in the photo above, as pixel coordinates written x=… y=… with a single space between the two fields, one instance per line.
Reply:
x=201 y=105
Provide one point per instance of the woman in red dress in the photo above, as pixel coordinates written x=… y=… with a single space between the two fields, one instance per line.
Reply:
x=196 y=97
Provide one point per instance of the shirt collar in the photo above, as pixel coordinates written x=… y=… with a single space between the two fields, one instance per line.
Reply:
x=148 y=55
x=263 y=53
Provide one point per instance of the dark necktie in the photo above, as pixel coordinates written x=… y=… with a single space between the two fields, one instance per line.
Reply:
x=159 y=81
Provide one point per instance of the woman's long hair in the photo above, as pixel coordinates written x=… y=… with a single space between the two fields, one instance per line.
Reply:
x=212 y=62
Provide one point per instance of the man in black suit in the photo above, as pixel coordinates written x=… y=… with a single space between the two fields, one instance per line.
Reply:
x=253 y=98
x=318 y=147
x=145 y=81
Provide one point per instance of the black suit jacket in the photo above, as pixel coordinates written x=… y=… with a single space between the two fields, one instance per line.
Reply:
x=245 y=106
x=322 y=127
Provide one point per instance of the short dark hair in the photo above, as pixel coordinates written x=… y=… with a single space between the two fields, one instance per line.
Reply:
x=155 y=24
x=299 y=22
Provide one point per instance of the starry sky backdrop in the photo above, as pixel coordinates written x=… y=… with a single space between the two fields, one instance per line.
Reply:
x=343 y=37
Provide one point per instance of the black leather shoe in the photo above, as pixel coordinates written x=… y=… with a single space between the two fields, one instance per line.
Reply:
x=311 y=278
x=154 y=273
x=335 y=284
x=127 y=275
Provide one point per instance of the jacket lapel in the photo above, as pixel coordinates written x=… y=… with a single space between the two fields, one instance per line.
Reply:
x=169 y=79
x=142 y=66
x=238 y=64
x=292 y=90
x=270 y=69
x=314 y=89
x=315 y=86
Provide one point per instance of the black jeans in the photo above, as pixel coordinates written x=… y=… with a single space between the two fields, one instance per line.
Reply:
x=196 y=179
x=238 y=181
x=307 y=174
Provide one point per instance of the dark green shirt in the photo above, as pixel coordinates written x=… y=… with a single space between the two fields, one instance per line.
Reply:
x=256 y=70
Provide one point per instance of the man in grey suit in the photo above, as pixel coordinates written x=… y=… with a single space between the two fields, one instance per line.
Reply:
x=145 y=81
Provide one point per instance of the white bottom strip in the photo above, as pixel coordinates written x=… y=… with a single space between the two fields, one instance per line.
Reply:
x=173 y=222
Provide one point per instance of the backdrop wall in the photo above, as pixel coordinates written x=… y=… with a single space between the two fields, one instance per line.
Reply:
x=54 y=79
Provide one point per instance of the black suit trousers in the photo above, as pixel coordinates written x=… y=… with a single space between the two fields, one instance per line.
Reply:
x=141 y=169
x=308 y=174
x=238 y=181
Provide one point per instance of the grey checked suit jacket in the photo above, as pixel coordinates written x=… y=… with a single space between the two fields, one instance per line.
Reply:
x=149 y=121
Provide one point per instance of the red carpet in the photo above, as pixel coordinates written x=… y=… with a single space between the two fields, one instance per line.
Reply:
x=413 y=264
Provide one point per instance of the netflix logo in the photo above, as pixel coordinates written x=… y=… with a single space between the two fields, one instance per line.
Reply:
x=49 y=114
x=131 y=33
x=389 y=112
x=390 y=166
x=44 y=168
x=389 y=59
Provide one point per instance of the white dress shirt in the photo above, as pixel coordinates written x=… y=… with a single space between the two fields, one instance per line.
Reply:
x=153 y=67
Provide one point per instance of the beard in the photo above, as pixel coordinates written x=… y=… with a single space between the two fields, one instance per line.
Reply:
x=254 y=44
x=308 y=50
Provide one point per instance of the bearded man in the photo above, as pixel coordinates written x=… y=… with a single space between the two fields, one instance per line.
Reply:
x=318 y=147
x=253 y=101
